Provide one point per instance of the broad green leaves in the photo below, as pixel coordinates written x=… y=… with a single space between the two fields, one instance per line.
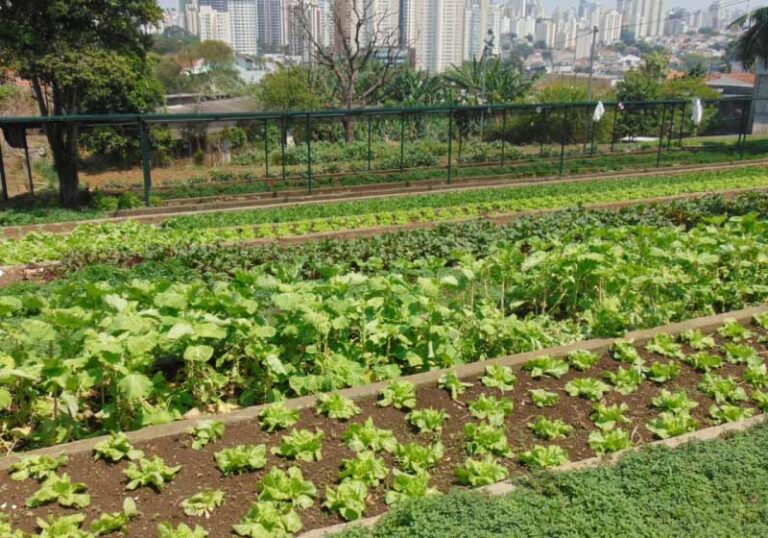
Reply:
x=152 y=473
x=241 y=459
x=62 y=490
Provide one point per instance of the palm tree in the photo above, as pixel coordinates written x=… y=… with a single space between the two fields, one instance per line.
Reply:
x=752 y=44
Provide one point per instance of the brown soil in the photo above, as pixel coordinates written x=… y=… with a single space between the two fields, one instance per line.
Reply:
x=106 y=483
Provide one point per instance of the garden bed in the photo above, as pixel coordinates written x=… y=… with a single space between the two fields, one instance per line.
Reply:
x=742 y=356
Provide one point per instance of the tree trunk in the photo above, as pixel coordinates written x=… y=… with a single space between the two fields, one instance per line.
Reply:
x=63 y=141
x=349 y=129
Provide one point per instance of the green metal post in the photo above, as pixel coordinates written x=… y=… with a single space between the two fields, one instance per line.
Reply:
x=562 y=140
x=146 y=160
x=661 y=135
x=613 y=129
x=682 y=124
x=309 y=154
x=3 y=180
x=450 y=144
x=402 y=143
x=282 y=144
x=370 y=126
x=743 y=129
x=266 y=149
x=671 y=128
x=503 y=135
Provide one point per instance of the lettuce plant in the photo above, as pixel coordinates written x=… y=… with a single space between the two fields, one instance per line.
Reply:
x=741 y=354
x=609 y=441
x=61 y=527
x=582 y=359
x=761 y=400
x=664 y=344
x=115 y=521
x=205 y=432
x=734 y=331
x=722 y=389
x=152 y=473
x=37 y=467
x=484 y=439
x=550 y=429
x=414 y=457
x=337 y=407
x=549 y=366
x=672 y=424
x=428 y=420
x=761 y=320
x=482 y=472
x=697 y=340
x=400 y=394
x=756 y=375
x=730 y=413
x=348 y=499
x=409 y=486
x=60 y=489
x=451 y=382
x=278 y=417
x=490 y=408
x=624 y=351
x=587 y=387
x=365 y=467
x=367 y=436
x=267 y=519
x=302 y=445
x=241 y=459
x=167 y=530
x=116 y=448
x=289 y=486
x=674 y=402
x=203 y=503
x=703 y=361
x=625 y=381
x=544 y=456
x=661 y=372
x=499 y=377
x=543 y=398
x=607 y=417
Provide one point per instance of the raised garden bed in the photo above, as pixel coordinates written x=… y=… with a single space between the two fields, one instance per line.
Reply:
x=732 y=347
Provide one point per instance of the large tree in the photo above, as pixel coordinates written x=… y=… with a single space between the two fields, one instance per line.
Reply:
x=75 y=54
x=752 y=44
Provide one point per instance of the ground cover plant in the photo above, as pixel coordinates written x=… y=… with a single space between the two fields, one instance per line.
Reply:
x=143 y=352
x=131 y=239
x=323 y=470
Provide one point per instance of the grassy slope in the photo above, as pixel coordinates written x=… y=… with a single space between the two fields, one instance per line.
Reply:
x=707 y=490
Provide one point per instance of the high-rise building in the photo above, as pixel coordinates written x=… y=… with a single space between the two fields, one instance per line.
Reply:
x=243 y=16
x=270 y=23
x=610 y=27
x=646 y=18
x=546 y=31
x=214 y=24
x=436 y=31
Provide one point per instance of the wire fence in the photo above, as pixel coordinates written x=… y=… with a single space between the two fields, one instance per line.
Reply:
x=165 y=159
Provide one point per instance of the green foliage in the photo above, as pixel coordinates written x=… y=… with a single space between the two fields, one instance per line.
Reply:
x=760 y=398
x=722 y=389
x=450 y=382
x=734 y=331
x=609 y=441
x=205 y=432
x=289 y=486
x=729 y=413
x=490 y=408
x=625 y=351
x=756 y=375
x=400 y=394
x=367 y=436
x=415 y=458
x=166 y=530
x=741 y=354
x=697 y=340
x=626 y=380
x=428 y=420
x=348 y=499
x=587 y=387
x=116 y=448
x=672 y=424
x=543 y=398
x=278 y=417
x=37 y=467
x=110 y=523
x=607 y=417
x=409 y=486
x=269 y=519
x=550 y=429
x=703 y=361
x=661 y=372
x=664 y=344
x=541 y=457
x=203 y=503
x=482 y=439
x=289 y=88
x=478 y=473
x=499 y=377
x=302 y=445
x=582 y=359
x=676 y=403
x=152 y=473
x=61 y=490
x=241 y=459
x=542 y=366
x=336 y=406
x=62 y=526
x=365 y=467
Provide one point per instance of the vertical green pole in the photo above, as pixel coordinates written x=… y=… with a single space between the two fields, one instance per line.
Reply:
x=402 y=142
x=370 y=128
x=282 y=144
x=613 y=129
x=450 y=144
x=743 y=129
x=146 y=160
x=503 y=135
x=682 y=124
x=266 y=149
x=661 y=135
x=309 y=154
x=671 y=128
x=562 y=140
x=3 y=179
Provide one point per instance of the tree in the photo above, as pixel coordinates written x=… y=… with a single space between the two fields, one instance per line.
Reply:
x=76 y=55
x=364 y=54
x=489 y=81
x=752 y=45
x=289 y=88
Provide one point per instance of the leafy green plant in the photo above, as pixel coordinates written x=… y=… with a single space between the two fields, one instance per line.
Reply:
x=301 y=445
x=205 y=432
x=756 y=375
x=549 y=366
x=499 y=377
x=674 y=402
x=62 y=490
x=336 y=406
x=761 y=400
x=544 y=456
x=428 y=420
x=113 y=522
x=265 y=519
x=587 y=387
x=550 y=429
x=486 y=439
x=582 y=359
x=664 y=344
x=400 y=394
x=483 y=472
x=543 y=398
x=62 y=527
x=289 y=486
x=367 y=436
x=365 y=467
x=626 y=380
x=697 y=340
x=609 y=441
x=607 y=417
x=490 y=408
x=741 y=354
x=152 y=473
x=409 y=486
x=116 y=448
x=203 y=503
x=37 y=467
x=662 y=372
x=624 y=351
x=722 y=389
x=414 y=457
x=761 y=319
x=167 y=530
x=729 y=413
x=734 y=331
x=241 y=459
x=348 y=499
x=672 y=424
x=278 y=417
x=451 y=382
x=703 y=361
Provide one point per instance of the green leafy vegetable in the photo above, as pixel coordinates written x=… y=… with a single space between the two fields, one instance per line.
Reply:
x=661 y=372
x=203 y=503
x=267 y=519
x=544 y=456
x=672 y=424
x=674 y=402
x=499 y=377
x=722 y=389
x=729 y=413
x=664 y=344
x=626 y=381
x=301 y=445
x=400 y=394
x=115 y=521
x=365 y=467
x=348 y=500
x=453 y=384
x=549 y=366
x=587 y=387
x=116 y=448
x=609 y=441
x=37 y=467
x=205 y=432
x=491 y=409
x=409 y=486
x=241 y=459
x=543 y=398
x=582 y=359
x=289 y=486
x=624 y=351
x=414 y=458
x=486 y=439
x=428 y=420
x=478 y=473
x=550 y=429
x=278 y=417
x=607 y=417
x=703 y=361
x=152 y=473
x=336 y=406
x=166 y=530
x=62 y=490
x=733 y=330
x=367 y=436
